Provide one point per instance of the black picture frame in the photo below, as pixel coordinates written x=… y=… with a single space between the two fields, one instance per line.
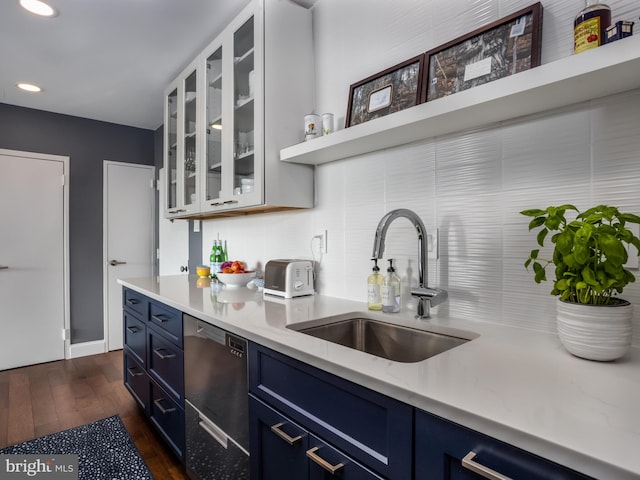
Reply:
x=392 y=90
x=509 y=45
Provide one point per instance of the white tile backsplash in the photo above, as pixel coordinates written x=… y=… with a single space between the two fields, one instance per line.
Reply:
x=470 y=185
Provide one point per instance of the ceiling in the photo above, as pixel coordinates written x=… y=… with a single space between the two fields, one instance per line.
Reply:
x=106 y=60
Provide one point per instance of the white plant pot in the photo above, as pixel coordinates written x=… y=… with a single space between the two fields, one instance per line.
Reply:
x=595 y=332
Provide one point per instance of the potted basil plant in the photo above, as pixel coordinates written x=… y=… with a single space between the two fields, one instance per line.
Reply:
x=589 y=258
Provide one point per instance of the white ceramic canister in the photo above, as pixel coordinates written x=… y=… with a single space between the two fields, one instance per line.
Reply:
x=311 y=126
x=327 y=123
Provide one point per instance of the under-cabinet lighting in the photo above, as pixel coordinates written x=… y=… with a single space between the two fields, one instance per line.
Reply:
x=29 y=87
x=39 y=8
x=217 y=126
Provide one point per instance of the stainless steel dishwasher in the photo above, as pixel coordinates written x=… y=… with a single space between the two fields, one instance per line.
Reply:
x=217 y=403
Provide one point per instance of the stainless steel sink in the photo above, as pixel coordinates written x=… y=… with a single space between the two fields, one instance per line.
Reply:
x=394 y=342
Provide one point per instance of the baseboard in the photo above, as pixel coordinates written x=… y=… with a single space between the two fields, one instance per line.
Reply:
x=87 y=348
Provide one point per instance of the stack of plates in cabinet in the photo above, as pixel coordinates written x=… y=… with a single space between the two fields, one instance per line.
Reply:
x=247 y=185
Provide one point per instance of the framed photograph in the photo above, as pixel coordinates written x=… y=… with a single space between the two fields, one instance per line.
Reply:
x=507 y=46
x=392 y=90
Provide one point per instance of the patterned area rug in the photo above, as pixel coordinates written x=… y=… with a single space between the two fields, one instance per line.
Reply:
x=104 y=448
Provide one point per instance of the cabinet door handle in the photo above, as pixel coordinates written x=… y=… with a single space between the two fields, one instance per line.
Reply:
x=163 y=410
x=133 y=329
x=469 y=463
x=160 y=352
x=4 y=267
x=179 y=210
x=135 y=372
x=290 y=440
x=132 y=301
x=230 y=201
x=332 y=469
x=160 y=318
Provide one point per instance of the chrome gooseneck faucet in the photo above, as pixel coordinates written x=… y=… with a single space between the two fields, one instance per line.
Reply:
x=427 y=297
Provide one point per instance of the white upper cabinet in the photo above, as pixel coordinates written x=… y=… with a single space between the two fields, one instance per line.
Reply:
x=242 y=100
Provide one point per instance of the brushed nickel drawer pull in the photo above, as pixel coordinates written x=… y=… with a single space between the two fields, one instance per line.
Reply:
x=290 y=440
x=132 y=301
x=161 y=353
x=163 y=410
x=135 y=371
x=469 y=463
x=133 y=329
x=332 y=469
x=160 y=318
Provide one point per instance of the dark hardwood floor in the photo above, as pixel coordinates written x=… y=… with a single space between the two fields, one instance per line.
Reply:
x=49 y=397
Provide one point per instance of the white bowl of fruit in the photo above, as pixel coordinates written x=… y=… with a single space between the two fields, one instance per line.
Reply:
x=234 y=275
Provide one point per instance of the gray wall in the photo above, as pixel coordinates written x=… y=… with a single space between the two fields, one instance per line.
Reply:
x=87 y=143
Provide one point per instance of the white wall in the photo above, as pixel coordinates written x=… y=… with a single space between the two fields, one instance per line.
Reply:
x=470 y=186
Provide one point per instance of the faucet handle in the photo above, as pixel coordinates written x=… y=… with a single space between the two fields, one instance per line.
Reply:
x=435 y=296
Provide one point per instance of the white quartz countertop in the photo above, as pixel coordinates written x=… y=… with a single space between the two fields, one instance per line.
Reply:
x=516 y=385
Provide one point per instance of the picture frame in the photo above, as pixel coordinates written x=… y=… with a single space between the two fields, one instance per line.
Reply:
x=509 y=45
x=392 y=90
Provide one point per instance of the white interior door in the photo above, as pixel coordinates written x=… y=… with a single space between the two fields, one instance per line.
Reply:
x=33 y=258
x=129 y=208
x=173 y=249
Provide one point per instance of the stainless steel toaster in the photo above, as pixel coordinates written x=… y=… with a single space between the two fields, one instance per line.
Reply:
x=288 y=278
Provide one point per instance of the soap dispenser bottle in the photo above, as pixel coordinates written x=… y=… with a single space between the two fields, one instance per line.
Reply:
x=374 y=283
x=391 y=291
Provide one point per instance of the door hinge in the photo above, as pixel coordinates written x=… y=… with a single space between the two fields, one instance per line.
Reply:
x=62 y=180
x=152 y=184
x=65 y=334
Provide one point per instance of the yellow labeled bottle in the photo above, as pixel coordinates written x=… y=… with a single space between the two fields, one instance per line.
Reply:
x=590 y=26
x=374 y=284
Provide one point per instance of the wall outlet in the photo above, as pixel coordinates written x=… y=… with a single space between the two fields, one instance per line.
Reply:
x=432 y=245
x=322 y=241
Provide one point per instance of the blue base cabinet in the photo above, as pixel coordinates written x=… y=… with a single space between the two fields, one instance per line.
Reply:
x=369 y=433
x=154 y=364
x=441 y=447
x=282 y=449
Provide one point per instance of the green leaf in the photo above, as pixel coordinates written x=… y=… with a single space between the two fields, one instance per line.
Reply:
x=630 y=217
x=540 y=274
x=589 y=276
x=536 y=222
x=541 y=236
x=533 y=212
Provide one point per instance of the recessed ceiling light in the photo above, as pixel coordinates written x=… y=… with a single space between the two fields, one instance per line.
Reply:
x=39 y=8
x=28 y=87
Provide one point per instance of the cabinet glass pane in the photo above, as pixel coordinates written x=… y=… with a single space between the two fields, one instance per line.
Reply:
x=190 y=163
x=214 y=125
x=243 y=89
x=172 y=153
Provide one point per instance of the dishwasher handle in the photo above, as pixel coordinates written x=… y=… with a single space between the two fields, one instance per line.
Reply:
x=212 y=333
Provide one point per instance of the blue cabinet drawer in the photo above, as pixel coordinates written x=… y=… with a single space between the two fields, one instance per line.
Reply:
x=375 y=430
x=165 y=364
x=282 y=449
x=441 y=446
x=136 y=381
x=135 y=338
x=136 y=302
x=168 y=319
x=168 y=417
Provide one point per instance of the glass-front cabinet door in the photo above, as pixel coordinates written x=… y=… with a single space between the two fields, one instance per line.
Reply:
x=244 y=112
x=214 y=128
x=190 y=143
x=230 y=179
x=171 y=150
x=181 y=149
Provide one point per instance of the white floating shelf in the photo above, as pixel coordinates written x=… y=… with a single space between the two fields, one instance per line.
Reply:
x=606 y=70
